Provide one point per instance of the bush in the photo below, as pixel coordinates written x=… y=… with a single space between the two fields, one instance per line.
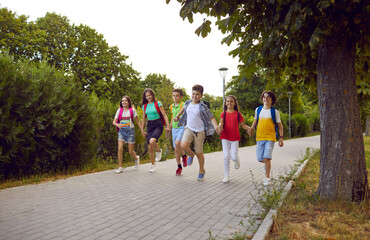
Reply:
x=300 y=126
x=46 y=124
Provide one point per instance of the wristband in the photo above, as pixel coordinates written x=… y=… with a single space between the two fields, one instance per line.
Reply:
x=281 y=137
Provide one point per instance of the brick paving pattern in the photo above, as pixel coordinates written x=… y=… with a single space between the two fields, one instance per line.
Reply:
x=137 y=204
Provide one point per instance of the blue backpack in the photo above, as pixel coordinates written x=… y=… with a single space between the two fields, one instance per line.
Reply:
x=273 y=116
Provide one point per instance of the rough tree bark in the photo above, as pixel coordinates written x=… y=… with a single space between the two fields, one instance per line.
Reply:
x=343 y=173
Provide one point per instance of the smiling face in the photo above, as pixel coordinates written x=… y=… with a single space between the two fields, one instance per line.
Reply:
x=196 y=96
x=230 y=103
x=124 y=102
x=267 y=100
x=149 y=97
x=176 y=96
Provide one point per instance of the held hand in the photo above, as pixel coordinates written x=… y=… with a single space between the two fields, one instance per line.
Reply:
x=219 y=129
x=250 y=132
x=144 y=134
x=168 y=128
x=175 y=119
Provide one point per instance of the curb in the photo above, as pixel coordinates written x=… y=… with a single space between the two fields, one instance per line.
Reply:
x=265 y=226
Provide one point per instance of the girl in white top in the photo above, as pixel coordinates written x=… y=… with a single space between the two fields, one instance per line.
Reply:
x=126 y=130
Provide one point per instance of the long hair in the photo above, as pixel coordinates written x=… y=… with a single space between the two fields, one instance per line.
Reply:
x=144 y=100
x=128 y=100
x=236 y=107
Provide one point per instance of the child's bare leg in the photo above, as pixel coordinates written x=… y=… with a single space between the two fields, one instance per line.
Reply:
x=151 y=153
x=131 y=151
x=178 y=150
x=153 y=142
x=120 y=152
x=200 y=157
x=186 y=147
x=268 y=166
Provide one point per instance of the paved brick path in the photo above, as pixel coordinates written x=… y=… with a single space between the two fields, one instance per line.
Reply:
x=137 y=204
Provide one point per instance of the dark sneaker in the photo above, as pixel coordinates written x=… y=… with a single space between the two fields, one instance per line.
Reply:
x=190 y=161
x=201 y=176
x=185 y=161
x=178 y=171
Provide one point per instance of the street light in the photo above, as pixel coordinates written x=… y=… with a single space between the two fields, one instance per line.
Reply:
x=290 y=128
x=223 y=72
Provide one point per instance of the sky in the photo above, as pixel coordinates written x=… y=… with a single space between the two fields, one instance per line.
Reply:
x=151 y=33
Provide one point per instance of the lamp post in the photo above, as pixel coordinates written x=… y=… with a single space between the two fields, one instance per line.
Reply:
x=223 y=72
x=290 y=129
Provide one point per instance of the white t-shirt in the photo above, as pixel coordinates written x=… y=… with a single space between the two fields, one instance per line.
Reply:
x=126 y=118
x=194 y=120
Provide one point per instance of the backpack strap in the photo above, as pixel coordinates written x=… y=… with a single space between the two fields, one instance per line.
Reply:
x=171 y=109
x=273 y=116
x=160 y=114
x=145 y=105
x=119 y=117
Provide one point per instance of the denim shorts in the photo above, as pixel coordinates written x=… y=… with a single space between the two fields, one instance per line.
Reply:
x=264 y=149
x=127 y=135
x=177 y=135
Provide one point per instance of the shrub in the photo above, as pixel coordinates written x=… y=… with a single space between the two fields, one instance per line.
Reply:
x=300 y=125
x=47 y=125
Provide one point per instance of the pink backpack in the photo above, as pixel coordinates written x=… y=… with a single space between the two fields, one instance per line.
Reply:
x=120 y=116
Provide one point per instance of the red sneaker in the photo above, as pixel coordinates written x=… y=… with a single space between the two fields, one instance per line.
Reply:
x=185 y=161
x=178 y=171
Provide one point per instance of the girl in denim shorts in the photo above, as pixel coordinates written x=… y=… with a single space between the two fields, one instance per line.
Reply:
x=124 y=122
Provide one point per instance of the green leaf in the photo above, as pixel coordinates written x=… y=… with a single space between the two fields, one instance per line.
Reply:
x=323 y=4
x=315 y=38
x=204 y=29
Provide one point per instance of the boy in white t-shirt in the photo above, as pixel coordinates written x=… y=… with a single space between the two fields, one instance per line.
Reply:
x=266 y=133
x=199 y=122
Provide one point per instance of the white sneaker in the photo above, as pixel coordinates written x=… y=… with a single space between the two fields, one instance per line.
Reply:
x=152 y=168
x=158 y=155
x=237 y=163
x=225 y=180
x=137 y=162
x=266 y=181
x=119 y=170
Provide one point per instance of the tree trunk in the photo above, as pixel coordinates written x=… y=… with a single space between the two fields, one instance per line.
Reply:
x=343 y=174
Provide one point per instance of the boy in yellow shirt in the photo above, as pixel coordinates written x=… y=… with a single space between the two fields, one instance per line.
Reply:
x=267 y=119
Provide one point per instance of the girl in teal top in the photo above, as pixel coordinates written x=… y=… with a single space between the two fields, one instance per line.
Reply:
x=154 y=128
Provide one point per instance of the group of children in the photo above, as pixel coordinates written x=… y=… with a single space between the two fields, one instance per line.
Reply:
x=192 y=121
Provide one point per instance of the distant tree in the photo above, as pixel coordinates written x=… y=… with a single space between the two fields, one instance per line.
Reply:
x=21 y=39
x=77 y=50
x=60 y=40
x=215 y=102
x=162 y=87
x=320 y=41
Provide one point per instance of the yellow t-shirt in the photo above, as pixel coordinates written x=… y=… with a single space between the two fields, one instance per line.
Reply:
x=265 y=126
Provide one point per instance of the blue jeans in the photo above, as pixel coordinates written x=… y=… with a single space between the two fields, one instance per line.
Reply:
x=127 y=135
x=264 y=149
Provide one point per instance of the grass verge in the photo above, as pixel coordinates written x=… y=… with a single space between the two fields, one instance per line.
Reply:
x=304 y=216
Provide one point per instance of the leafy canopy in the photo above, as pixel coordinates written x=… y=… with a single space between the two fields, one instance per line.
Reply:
x=283 y=36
